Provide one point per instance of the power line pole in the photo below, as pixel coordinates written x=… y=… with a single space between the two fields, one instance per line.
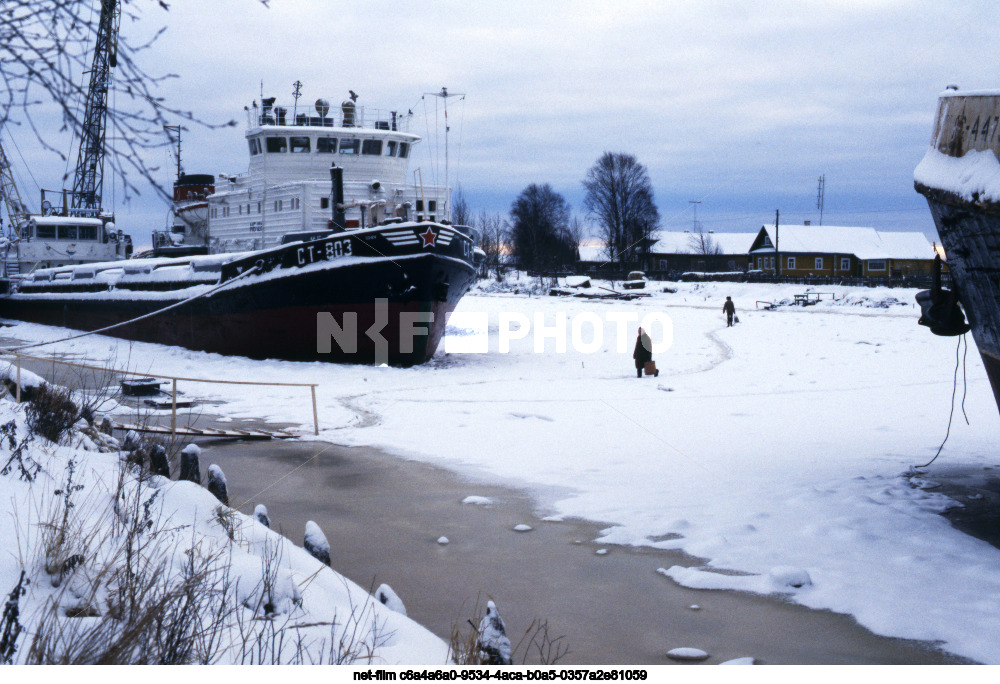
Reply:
x=777 y=257
x=820 y=192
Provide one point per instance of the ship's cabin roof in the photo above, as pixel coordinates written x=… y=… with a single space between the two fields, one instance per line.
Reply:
x=66 y=221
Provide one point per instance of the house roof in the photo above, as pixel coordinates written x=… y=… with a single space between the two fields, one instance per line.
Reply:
x=864 y=243
x=673 y=242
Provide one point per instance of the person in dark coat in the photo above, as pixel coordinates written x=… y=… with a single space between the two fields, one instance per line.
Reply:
x=730 y=310
x=643 y=352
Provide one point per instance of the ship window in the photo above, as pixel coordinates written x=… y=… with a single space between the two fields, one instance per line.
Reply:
x=326 y=145
x=819 y=262
x=350 y=146
x=324 y=202
x=254 y=146
x=371 y=147
x=299 y=143
x=791 y=262
x=88 y=232
x=876 y=265
x=420 y=205
x=432 y=205
x=404 y=150
x=258 y=207
x=390 y=148
x=275 y=144
x=845 y=264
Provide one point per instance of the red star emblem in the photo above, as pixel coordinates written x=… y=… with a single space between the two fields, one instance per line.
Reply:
x=429 y=238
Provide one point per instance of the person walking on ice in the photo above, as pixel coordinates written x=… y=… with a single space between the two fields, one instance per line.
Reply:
x=643 y=354
x=730 y=310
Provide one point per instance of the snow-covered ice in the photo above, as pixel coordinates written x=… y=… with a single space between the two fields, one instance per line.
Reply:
x=784 y=442
x=687 y=653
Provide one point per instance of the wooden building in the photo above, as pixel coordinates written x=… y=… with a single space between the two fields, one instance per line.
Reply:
x=841 y=251
x=683 y=252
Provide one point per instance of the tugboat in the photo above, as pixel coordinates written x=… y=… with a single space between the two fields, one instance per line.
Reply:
x=281 y=262
x=377 y=295
x=960 y=178
x=287 y=190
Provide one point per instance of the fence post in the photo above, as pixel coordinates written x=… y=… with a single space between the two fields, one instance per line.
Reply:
x=18 y=390
x=315 y=412
x=173 y=411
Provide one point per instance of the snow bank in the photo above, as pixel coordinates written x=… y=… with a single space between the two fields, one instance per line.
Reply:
x=266 y=574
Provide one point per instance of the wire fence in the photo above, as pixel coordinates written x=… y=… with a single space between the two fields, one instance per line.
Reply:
x=173 y=383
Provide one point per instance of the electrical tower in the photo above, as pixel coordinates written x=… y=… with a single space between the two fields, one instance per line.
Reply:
x=820 y=191
x=88 y=181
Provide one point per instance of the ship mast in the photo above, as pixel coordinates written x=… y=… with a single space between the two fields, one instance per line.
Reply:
x=444 y=95
x=88 y=181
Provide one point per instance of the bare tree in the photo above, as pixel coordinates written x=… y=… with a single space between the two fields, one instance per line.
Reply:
x=620 y=198
x=494 y=239
x=46 y=50
x=701 y=242
x=460 y=213
x=540 y=228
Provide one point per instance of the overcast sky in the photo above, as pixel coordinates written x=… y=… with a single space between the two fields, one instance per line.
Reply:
x=738 y=105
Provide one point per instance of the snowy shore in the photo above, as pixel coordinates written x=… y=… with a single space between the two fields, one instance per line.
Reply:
x=777 y=451
x=119 y=566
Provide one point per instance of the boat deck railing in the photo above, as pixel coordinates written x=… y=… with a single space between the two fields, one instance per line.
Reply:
x=359 y=117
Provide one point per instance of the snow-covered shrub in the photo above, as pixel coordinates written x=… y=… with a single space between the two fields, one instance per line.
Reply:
x=10 y=625
x=51 y=412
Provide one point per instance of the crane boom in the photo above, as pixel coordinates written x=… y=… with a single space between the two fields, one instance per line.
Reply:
x=17 y=213
x=88 y=180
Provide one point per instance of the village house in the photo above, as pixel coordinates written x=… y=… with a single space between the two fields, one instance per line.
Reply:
x=841 y=251
x=675 y=252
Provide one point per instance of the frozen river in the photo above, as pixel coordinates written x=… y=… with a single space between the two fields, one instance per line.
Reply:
x=771 y=451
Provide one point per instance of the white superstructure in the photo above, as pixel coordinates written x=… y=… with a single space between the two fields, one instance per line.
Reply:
x=288 y=188
x=54 y=240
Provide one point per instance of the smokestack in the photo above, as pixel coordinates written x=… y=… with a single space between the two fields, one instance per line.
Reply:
x=337 y=180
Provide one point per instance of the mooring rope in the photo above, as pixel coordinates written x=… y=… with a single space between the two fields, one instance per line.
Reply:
x=218 y=287
x=959 y=360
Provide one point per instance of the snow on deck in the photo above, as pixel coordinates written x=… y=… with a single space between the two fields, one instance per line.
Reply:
x=780 y=444
x=974 y=176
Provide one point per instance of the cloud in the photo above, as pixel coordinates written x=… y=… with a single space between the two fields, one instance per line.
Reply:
x=742 y=105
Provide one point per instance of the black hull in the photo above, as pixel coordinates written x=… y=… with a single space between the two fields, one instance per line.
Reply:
x=970 y=235
x=957 y=186
x=382 y=309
